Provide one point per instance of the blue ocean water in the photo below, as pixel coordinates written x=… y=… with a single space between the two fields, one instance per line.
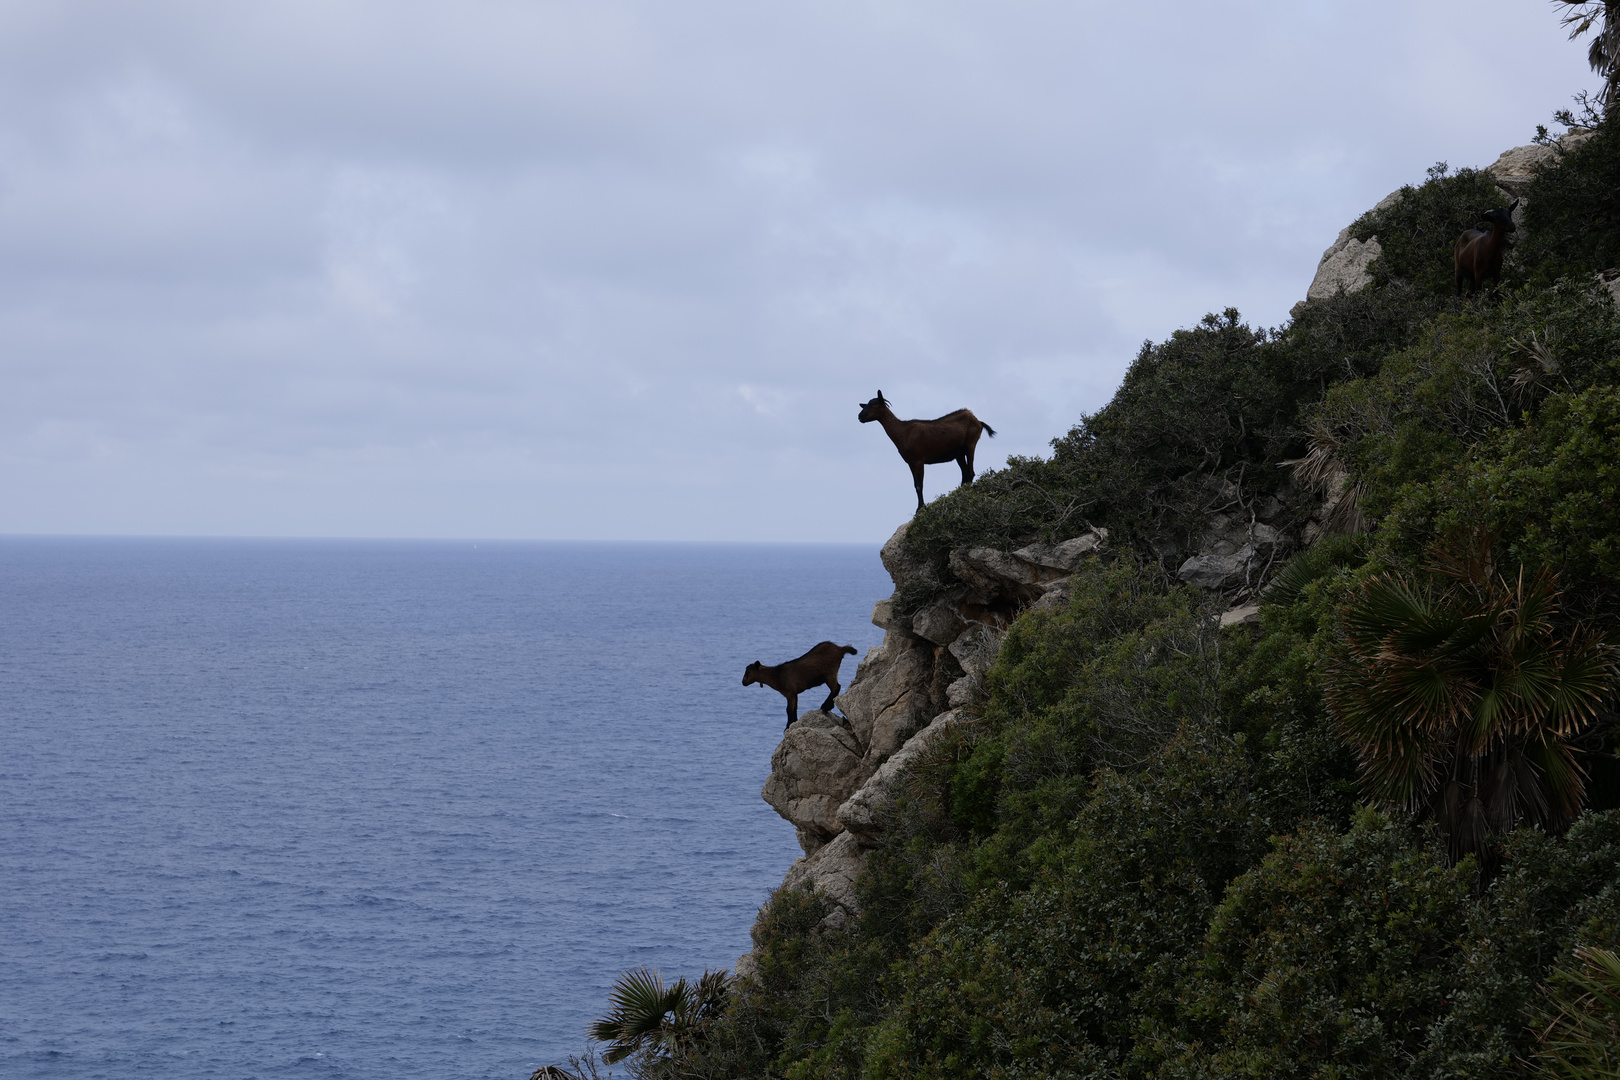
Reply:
x=372 y=809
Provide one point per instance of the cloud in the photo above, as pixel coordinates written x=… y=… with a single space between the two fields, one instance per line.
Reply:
x=568 y=269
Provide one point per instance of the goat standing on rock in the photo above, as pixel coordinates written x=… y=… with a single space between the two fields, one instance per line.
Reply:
x=818 y=667
x=953 y=437
x=1477 y=258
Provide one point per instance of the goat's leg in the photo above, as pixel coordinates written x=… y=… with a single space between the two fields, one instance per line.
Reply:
x=966 y=463
x=832 y=692
x=792 y=710
x=916 y=479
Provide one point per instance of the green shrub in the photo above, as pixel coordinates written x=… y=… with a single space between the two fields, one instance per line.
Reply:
x=1552 y=490
x=1572 y=216
x=1418 y=232
x=1054 y=980
x=1331 y=958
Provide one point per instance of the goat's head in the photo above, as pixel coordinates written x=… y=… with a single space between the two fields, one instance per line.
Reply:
x=870 y=409
x=751 y=675
x=1504 y=218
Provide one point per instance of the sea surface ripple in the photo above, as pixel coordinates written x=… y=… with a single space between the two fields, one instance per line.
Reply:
x=381 y=809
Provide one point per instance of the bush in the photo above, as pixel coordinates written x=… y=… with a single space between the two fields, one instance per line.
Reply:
x=1418 y=232
x=1572 y=216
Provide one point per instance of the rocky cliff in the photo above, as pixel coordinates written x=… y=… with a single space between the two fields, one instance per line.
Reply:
x=832 y=776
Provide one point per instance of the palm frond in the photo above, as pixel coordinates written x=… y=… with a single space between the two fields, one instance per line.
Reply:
x=1466 y=701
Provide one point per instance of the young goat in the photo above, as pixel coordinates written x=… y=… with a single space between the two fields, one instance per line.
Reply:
x=1477 y=257
x=952 y=437
x=818 y=667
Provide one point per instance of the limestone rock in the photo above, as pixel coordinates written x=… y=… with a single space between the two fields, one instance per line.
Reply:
x=1344 y=266
x=889 y=697
x=814 y=769
x=831 y=871
x=883 y=615
x=1515 y=168
x=894 y=558
x=1243 y=615
x=938 y=622
x=861 y=813
x=1067 y=556
x=1232 y=553
x=1055 y=596
x=1611 y=282
x=990 y=574
x=975 y=649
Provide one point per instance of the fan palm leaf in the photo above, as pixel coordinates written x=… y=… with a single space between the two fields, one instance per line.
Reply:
x=651 y=1020
x=1581 y=1036
x=1463 y=700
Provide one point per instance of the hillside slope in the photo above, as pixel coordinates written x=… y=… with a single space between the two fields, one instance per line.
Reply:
x=1105 y=803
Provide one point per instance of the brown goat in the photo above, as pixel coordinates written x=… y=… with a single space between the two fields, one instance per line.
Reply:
x=952 y=437
x=1477 y=258
x=818 y=667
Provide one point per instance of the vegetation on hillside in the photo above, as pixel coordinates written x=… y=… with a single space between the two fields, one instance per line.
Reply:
x=1375 y=836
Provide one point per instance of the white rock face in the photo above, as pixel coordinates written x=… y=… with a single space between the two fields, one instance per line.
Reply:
x=1244 y=615
x=815 y=768
x=939 y=623
x=1515 y=168
x=831 y=871
x=883 y=615
x=1232 y=553
x=889 y=697
x=975 y=649
x=1067 y=556
x=894 y=560
x=1344 y=266
x=861 y=813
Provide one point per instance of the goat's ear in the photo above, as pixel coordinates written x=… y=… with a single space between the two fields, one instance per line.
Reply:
x=1512 y=204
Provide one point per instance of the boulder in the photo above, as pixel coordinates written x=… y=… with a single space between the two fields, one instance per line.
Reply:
x=939 y=622
x=1515 y=168
x=976 y=648
x=816 y=767
x=1055 y=595
x=1243 y=615
x=861 y=814
x=1232 y=553
x=1064 y=557
x=1344 y=266
x=1611 y=282
x=883 y=615
x=990 y=574
x=831 y=871
x=889 y=697
x=900 y=568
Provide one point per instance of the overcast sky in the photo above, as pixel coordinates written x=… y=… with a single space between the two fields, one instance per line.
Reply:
x=602 y=270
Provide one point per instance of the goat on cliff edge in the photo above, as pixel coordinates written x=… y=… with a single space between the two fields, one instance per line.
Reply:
x=818 y=667
x=953 y=437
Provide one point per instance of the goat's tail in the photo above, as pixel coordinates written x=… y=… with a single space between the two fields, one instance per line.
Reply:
x=846 y=649
x=988 y=430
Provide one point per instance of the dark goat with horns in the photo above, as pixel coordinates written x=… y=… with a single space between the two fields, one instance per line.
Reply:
x=818 y=667
x=1477 y=257
x=953 y=437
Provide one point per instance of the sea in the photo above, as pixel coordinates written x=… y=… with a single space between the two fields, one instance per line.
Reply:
x=382 y=809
